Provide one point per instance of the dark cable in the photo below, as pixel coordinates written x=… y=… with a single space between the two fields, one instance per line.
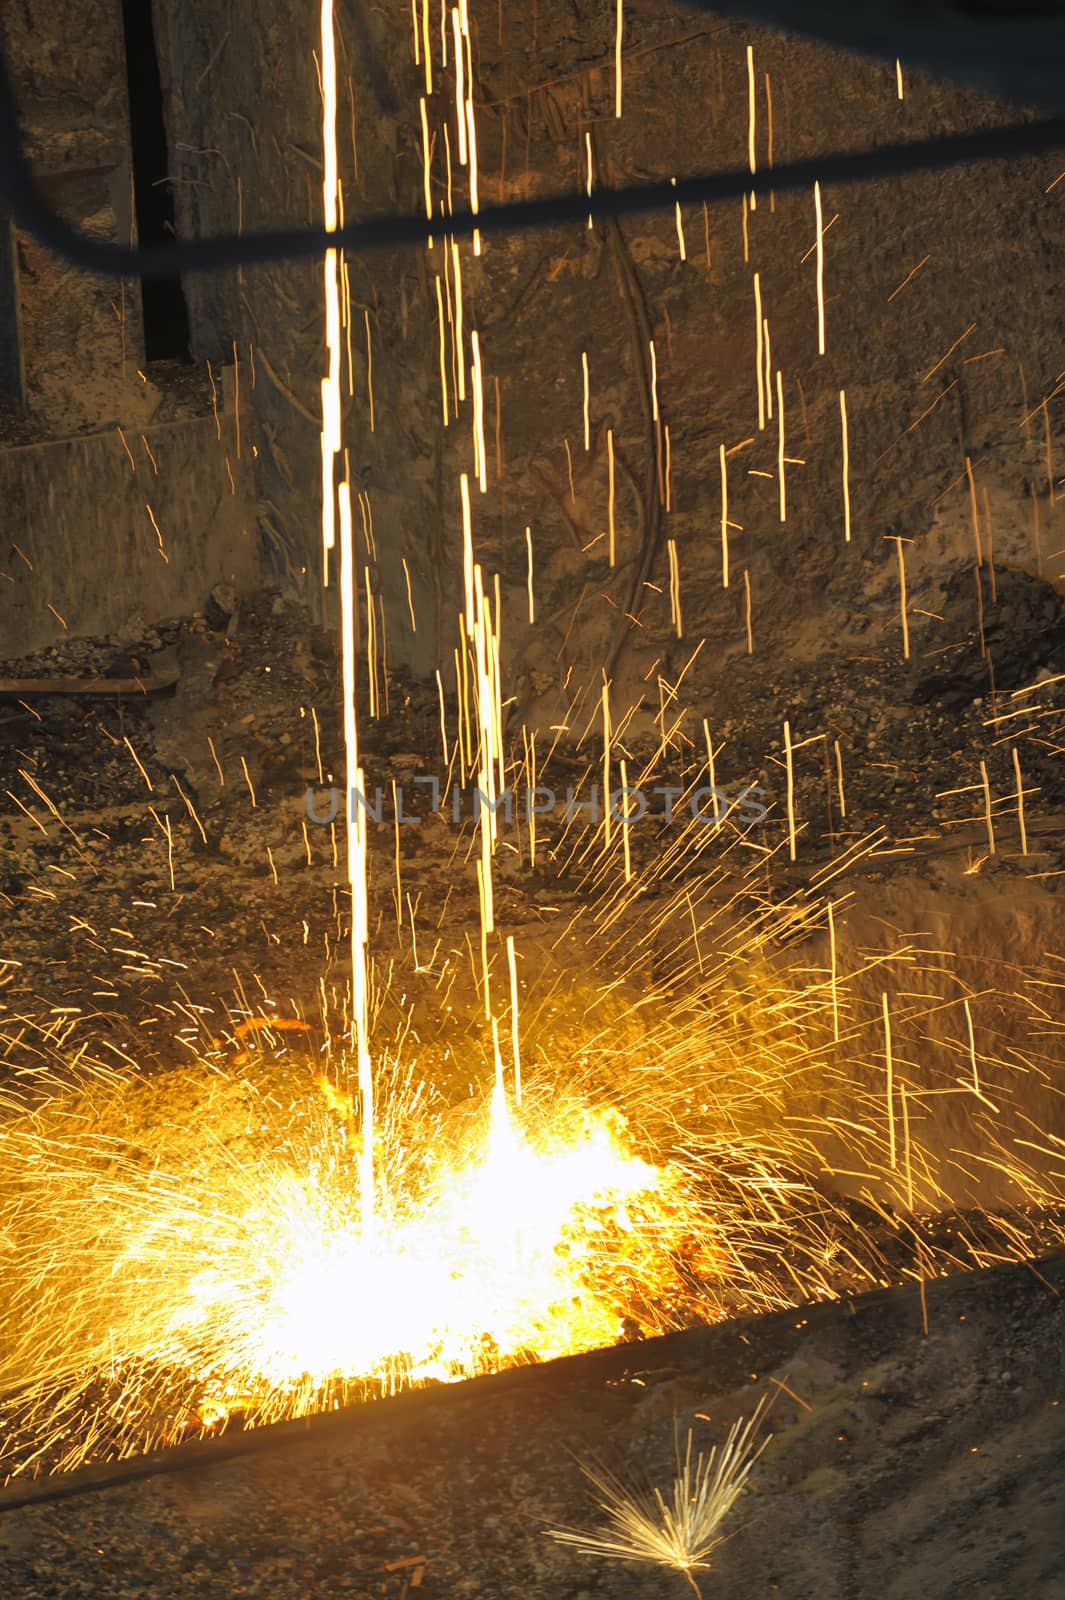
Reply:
x=21 y=197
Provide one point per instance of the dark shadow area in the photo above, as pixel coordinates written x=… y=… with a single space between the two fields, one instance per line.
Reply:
x=11 y=384
x=166 y=317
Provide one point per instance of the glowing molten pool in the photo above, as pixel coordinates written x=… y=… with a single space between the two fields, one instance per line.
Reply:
x=498 y=1261
x=225 y=1268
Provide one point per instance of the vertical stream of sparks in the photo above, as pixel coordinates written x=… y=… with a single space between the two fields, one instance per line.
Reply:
x=336 y=497
x=481 y=634
x=480 y=630
x=330 y=383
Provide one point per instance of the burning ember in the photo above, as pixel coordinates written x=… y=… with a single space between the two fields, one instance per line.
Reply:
x=503 y=1259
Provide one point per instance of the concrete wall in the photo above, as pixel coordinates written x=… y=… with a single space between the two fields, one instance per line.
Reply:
x=243 y=113
x=76 y=535
x=982 y=244
x=939 y=371
x=81 y=336
x=78 y=551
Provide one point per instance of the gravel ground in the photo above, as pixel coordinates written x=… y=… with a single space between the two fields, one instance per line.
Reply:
x=179 y=828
